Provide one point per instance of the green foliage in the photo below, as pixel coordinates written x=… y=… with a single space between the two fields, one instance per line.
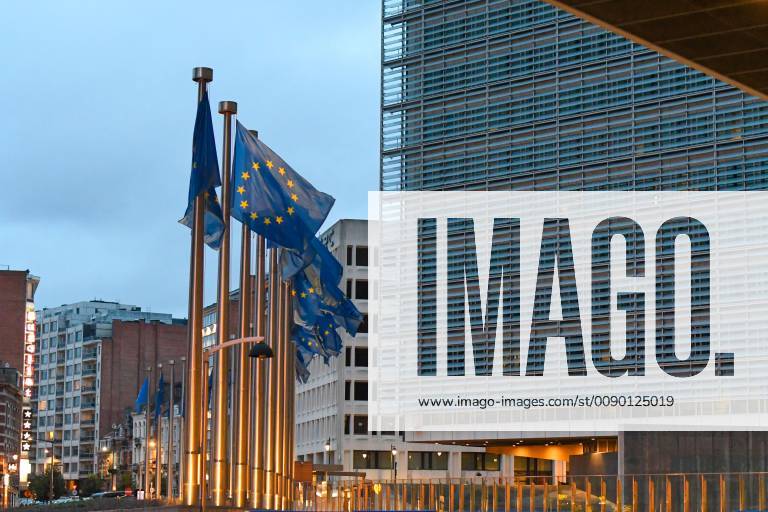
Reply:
x=40 y=485
x=90 y=485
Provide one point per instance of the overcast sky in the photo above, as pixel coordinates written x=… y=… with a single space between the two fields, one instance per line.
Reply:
x=98 y=107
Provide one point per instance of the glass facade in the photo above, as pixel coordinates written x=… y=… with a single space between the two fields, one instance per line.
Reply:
x=515 y=94
x=518 y=95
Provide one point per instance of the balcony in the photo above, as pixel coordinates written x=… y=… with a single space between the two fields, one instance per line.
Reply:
x=87 y=422
x=89 y=370
x=90 y=354
x=88 y=389
x=88 y=404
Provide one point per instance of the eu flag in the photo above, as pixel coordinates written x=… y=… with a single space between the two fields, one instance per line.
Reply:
x=306 y=340
x=159 y=396
x=321 y=265
x=204 y=177
x=329 y=337
x=271 y=198
x=306 y=300
x=143 y=396
x=302 y=366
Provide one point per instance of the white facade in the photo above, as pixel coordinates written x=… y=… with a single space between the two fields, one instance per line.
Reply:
x=139 y=447
x=332 y=407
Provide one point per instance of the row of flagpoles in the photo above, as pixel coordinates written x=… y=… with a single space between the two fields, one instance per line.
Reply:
x=295 y=306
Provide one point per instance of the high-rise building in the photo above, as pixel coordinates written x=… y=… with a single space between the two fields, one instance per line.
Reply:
x=92 y=358
x=518 y=95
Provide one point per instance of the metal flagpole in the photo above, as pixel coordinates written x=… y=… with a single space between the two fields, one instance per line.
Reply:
x=269 y=488
x=147 y=436
x=158 y=442
x=286 y=440
x=169 y=445
x=244 y=396
x=259 y=382
x=182 y=428
x=280 y=398
x=192 y=413
x=204 y=440
x=221 y=416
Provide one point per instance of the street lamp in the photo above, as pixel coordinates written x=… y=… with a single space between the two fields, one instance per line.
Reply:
x=258 y=352
x=394 y=461
x=328 y=451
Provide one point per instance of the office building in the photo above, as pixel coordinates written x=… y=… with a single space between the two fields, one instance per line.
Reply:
x=92 y=358
x=518 y=95
x=332 y=428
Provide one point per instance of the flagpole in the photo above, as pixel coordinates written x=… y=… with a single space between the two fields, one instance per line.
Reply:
x=270 y=480
x=192 y=417
x=204 y=439
x=244 y=396
x=259 y=387
x=169 y=445
x=147 y=436
x=286 y=441
x=221 y=416
x=158 y=438
x=280 y=408
x=182 y=428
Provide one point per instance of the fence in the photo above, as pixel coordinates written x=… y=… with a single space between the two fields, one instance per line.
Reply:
x=690 y=492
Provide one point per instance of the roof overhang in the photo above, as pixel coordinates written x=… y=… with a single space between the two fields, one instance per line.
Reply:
x=726 y=39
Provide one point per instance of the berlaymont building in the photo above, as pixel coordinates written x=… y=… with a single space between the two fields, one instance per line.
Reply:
x=522 y=95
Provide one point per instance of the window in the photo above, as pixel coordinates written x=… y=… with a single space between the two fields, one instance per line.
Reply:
x=361 y=357
x=361 y=256
x=374 y=459
x=349 y=255
x=346 y=423
x=427 y=460
x=361 y=390
x=348 y=357
x=349 y=287
x=479 y=461
x=361 y=289
x=347 y=395
x=361 y=424
x=363 y=325
x=529 y=466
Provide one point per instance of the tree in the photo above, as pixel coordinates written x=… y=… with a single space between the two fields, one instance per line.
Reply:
x=90 y=485
x=40 y=485
x=126 y=481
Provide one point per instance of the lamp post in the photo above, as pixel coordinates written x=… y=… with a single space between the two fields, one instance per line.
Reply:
x=328 y=451
x=259 y=351
x=394 y=461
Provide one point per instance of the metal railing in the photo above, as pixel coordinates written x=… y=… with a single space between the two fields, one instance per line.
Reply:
x=678 y=492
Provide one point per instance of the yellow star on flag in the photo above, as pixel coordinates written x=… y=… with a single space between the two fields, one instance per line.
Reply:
x=255 y=166
x=254 y=215
x=327 y=333
x=281 y=170
x=311 y=290
x=243 y=204
x=241 y=190
x=279 y=219
x=295 y=197
x=293 y=293
x=303 y=295
x=267 y=221
x=289 y=183
x=245 y=175
x=270 y=164
x=291 y=209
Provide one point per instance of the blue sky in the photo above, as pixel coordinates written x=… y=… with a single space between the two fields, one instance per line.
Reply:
x=98 y=108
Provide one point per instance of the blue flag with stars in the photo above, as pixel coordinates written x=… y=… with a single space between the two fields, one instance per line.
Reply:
x=142 y=397
x=329 y=337
x=302 y=366
x=159 y=396
x=271 y=198
x=307 y=340
x=205 y=177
